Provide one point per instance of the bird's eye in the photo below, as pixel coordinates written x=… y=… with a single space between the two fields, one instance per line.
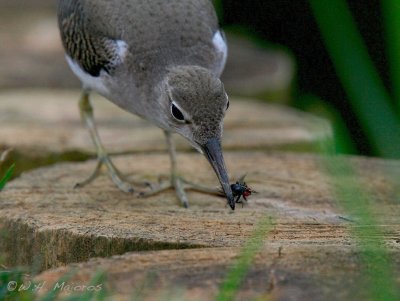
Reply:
x=177 y=113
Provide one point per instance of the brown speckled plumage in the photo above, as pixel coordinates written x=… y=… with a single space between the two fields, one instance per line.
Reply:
x=93 y=52
x=158 y=32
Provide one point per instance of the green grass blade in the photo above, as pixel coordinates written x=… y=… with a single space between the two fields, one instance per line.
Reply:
x=7 y=176
x=10 y=282
x=53 y=293
x=391 y=16
x=366 y=93
x=341 y=136
x=378 y=266
x=97 y=292
x=238 y=271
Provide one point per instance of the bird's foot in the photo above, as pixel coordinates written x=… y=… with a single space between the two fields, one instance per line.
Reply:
x=113 y=173
x=180 y=185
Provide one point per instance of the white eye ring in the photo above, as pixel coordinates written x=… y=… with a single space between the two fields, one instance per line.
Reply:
x=228 y=103
x=176 y=112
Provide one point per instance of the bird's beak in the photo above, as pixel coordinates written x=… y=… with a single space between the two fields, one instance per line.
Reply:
x=213 y=151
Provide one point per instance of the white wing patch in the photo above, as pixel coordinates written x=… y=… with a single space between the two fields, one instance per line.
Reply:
x=222 y=47
x=88 y=81
x=98 y=83
x=122 y=49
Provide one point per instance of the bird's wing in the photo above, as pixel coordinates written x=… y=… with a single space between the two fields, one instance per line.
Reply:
x=92 y=49
x=221 y=47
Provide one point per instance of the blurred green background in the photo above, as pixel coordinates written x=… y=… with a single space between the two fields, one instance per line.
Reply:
x=348 y=62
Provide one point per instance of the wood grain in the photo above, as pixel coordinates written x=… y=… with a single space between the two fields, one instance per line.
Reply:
x=53 y=224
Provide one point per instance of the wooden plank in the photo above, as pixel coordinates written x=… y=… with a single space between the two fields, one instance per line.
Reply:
x=44 y=127
x=52 y=224
x=298 y=272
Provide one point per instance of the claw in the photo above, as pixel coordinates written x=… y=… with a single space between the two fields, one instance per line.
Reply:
x=112 y=172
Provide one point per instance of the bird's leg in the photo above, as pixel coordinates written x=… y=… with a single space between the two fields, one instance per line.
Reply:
x=177 y=182
x=86 y=111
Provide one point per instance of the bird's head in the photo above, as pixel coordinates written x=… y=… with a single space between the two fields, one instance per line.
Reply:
x=195 y=103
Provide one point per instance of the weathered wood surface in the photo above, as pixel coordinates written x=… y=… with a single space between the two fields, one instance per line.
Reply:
x=44 y=127
x=52 y=224
x=46 y=223
x=257 y=72
x=309 y=253
x=296 y=272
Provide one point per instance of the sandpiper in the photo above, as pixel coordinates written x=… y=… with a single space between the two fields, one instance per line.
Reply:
x=160 y=60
